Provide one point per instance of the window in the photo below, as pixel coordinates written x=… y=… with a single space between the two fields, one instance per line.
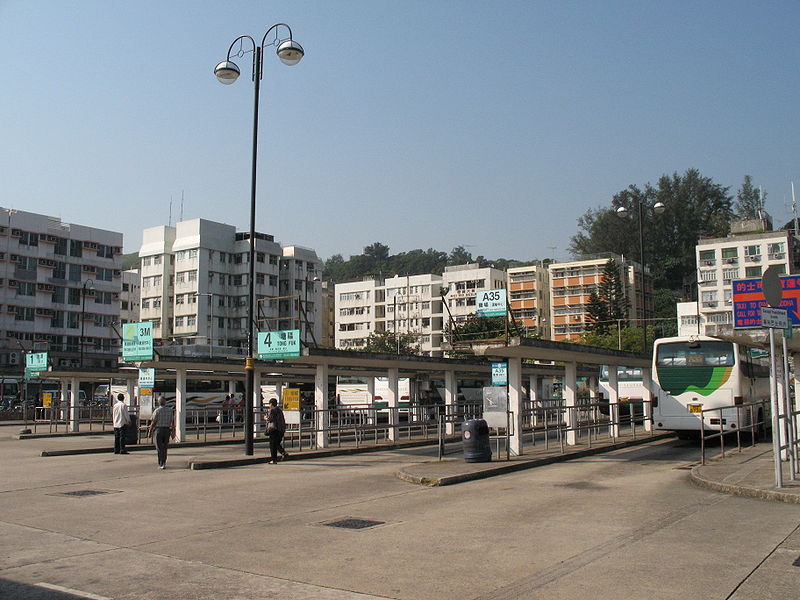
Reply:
x=59 y=295
x=76 y=248
x=104 y=274
x=192 y=276
x=260 y=257
x=57 y=320
x=73 y=320
x=236 y=280
x=729 y=274
x=779 y=269
x=707 y=255
x=104 y=251
x=710 y=296
x=157 y=259
x=29 y=239
x=191 y=320
x=60 y=246
x=156 y=302
x=273 y=280
x=23 y=314
x=273 y=260
x=74 y=296
x=750 y=272
x=178 y=320
x=180 y=277
x=708 y=275
x=752 y=251
x=193 y=253
x=179 y=299
x=102 y=297
x=74 y=272
x=145 y=261
x=730 y=252
x=260 y=278
x=180 y=255
x=26 y=288
x=145 y=302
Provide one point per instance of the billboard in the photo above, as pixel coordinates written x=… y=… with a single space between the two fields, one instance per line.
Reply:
x=748 y=298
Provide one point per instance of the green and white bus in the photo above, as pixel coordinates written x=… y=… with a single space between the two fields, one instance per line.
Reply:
x=695 y=373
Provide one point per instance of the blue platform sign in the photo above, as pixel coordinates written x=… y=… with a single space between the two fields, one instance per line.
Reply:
x=500 y=373
x=279 y=344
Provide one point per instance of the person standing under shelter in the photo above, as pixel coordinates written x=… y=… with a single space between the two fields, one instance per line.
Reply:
x=121 y=420
x=276 y=426
x=162 y=424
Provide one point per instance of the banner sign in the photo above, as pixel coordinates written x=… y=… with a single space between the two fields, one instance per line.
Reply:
x=137 y=341
x=147 y=378
x=748 y=298
x=291 y=398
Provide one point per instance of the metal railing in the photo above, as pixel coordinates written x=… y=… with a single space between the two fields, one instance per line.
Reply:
x=733 y=414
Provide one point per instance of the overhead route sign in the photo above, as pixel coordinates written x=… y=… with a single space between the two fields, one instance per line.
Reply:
x=137 y=341
x=491 y=303
x=748 y=298
x=279 y=344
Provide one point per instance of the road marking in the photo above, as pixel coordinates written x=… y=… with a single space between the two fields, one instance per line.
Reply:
x=67 y=590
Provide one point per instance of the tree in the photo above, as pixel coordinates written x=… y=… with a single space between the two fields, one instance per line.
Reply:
x=377 y=251
x=459 y=256
x=749 y=201
x=694 y=206
x=612 y=292
x=387 y=342
x=597 y=314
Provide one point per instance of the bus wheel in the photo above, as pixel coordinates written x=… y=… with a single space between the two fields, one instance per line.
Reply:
x=686 y=435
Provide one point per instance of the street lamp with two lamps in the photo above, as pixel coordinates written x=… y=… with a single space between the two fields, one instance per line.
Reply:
x=622 y=211
x=290 y=53
x=89 y=283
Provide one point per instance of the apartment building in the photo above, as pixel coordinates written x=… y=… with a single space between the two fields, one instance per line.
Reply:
x=572 y=283
x=59 y=290
x=462 y=283
x=408 y=305
x=745 y=254
x=529 y=299
x=194 y=284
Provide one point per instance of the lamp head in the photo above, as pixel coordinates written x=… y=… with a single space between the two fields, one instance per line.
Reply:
x=227 y=72
x=659 y=207
x=290 y=52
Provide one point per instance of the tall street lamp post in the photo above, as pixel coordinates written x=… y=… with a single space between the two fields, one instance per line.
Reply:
x=622 y=211
x=290 y=53
x=305 y=307
x=83 y=312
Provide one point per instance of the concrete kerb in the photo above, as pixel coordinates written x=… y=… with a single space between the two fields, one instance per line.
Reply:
x=771 y=495
x=509 y=467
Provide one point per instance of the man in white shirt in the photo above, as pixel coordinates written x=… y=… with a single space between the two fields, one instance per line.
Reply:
x=121 y=420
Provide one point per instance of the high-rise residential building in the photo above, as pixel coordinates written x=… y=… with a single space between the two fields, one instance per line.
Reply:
x=60 y=290
x=194 y=284
x=572 y=283
x=745 y=254
x=130 y=296
x=529 y=299
x=408 y=305
x=462 y=284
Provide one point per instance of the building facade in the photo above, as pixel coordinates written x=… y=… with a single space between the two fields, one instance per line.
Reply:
x=571 y=286
x=745 y=254
x=529 y=299
x=130 y=297
x=194 y=284
x=60 y=291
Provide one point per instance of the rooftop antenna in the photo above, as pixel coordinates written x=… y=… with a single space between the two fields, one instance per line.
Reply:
x=181 y=205
x=760 y=203
x=169 y=223
x=794 y=208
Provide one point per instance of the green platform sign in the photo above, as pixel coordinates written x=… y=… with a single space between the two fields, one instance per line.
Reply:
x=137 y=341
x=279 y=344
x=491 y=303
x=34 y=363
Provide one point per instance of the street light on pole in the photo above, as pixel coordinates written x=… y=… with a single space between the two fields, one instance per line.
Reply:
x=290 y=53
x=83 y=313
x=312 y=281
x=623 y=212
x=211 y=314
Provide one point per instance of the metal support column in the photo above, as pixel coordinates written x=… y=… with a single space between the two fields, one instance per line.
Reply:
x=571 y=401
x=180 y=405
x=393 y=401
x=515 y=405
x=321 y=405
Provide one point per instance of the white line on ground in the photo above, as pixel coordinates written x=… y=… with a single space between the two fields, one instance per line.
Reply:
x=67 y=590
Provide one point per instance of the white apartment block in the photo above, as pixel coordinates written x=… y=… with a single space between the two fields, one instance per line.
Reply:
x=59 y=289
x=462 y=284
x=529 y=299
x=130 y=297
x=194 y=284
x=408 y=305
x=743 y=255
x=572 y=283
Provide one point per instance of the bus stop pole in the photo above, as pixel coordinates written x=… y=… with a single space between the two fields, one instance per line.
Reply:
x=776 y=436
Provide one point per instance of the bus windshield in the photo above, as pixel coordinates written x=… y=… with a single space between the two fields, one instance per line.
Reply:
x=695 y=354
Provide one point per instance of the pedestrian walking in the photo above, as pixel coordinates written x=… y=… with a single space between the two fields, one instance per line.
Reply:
x=121 y=421
x=162 y=424
x=276 y=427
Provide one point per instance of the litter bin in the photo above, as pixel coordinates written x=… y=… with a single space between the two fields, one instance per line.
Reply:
x=475 y=440
x=132 y=431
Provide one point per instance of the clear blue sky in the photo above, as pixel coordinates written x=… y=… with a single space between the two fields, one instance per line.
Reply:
x=416 y=123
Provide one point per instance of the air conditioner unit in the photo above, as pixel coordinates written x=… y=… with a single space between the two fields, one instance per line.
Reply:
x=13 y=358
